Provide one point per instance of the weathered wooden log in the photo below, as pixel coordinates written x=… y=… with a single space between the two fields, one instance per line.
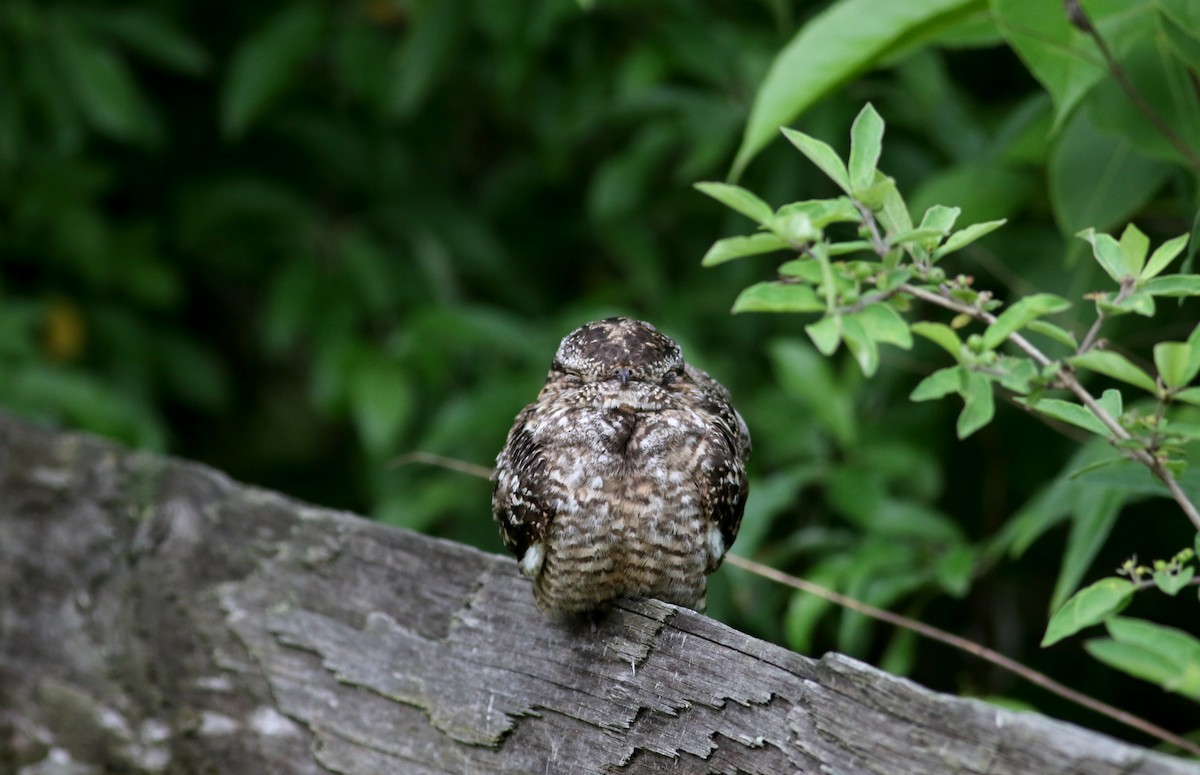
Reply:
x=157 y=617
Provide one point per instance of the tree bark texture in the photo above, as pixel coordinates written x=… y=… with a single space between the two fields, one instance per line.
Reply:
x=157 y=617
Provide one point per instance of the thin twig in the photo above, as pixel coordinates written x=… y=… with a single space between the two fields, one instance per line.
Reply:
x=970 y=647
x=429 y=458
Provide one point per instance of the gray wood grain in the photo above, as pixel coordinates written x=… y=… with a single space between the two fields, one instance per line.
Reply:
x=157 y=617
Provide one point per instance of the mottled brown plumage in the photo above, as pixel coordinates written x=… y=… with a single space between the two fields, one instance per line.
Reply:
x=626 y=477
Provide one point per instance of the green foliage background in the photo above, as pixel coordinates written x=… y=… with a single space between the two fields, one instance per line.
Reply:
x=298 y=239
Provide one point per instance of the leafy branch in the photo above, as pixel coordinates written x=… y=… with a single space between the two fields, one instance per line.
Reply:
x=859 y=288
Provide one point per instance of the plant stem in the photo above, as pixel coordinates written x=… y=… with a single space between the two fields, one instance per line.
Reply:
x=970 y=647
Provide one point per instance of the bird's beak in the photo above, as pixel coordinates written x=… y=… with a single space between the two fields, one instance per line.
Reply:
x=623 y=375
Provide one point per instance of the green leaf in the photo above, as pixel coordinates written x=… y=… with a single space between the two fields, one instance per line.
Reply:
x=1112 y=401
x=940 y=218
x=1163 y=256
x=940 y=334
x=922 y=235
x=156 y=37
x=940 y=383
x=1057 y=333
x=1070 y=413
x=1089 y=606
x=1134 y=246
x=1021 y=314
x=846 y=39
x=804 y=611
x=955 y=569
x=825 y=334
x=267 y=63
x=1175 y=364
x=1171 y=583
x=778 y=297
x=1189 y=396
x=430 y=47
x=893 y=214
x=1095 y=509
x=738 y=198
x=861 y=346
x=1166 y=656
x=1114 y=365
x=980 y=405
x=822 y=155
x=822 y=212
x=963 y=237
x=866 y=142
x=1057 y=55
x=805 y=269
x=1016 y=374
x=1173 y=285
x=102 y=85
x=737 y=247
x=1107 y=252
x=884 y=324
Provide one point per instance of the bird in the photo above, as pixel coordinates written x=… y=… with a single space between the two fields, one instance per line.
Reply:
x=625 y=478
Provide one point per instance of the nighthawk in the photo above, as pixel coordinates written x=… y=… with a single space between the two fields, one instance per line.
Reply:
x=625 y=478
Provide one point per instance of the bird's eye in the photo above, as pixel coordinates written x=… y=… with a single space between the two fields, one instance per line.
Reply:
x=670 y=378
x=572 y=379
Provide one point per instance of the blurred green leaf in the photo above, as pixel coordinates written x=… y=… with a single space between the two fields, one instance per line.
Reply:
x=1094 y=511
x=859 y=343
x=1113 y=365
x=152 y=34
x=866 y=143
x=1166 y=656
x=1089 y=606
x=826 y=333
x=424 y=55
x=1108 y=254
x=847 y=38
x=1097 y=179
x=965 y=236
x=738 y=198
x=979 y=405
x=940 y=334
x=1175 y=364
x=1021 y=314
x=1070 y=413
x=1059 y=56
x=1057 y=333
x=882 y=323
x=940 y=383
x=381 y=402
x=267 y=64
x=806 y=375
x=1163 y=255
x=1172 y=583
x=804 y=611
x=1173 y=285
x=100 y=82
x=822 y=155
x=778 y=297
x=955 y=570
x=736 y=247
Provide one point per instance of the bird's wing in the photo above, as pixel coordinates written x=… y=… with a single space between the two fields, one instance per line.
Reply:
x=519 y=497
